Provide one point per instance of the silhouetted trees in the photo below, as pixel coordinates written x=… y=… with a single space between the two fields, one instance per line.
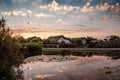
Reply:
x=112 y=37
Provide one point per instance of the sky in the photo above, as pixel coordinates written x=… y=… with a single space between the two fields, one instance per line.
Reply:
x=71 y=18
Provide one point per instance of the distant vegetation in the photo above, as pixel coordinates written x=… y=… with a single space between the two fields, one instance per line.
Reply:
x=112 y=41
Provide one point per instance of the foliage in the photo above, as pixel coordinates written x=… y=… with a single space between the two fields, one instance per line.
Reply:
x=90 y=39
x=20 y=39
x=10 y=55
x=34 y=49
x=31 y=49
x=53 y=41
x=78 y=41
x=112 y=37
x=36 y=40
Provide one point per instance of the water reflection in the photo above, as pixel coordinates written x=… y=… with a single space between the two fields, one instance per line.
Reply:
x=101 y=64
x=113 y=55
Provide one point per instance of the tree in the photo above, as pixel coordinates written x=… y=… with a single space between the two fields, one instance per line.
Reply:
x=112 y=37
x=20 y=39
x=10 y=55
x=90 y=39
x=78 y=41
x=53 y=42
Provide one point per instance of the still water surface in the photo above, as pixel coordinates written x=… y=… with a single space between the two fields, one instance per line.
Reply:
x=94 y=67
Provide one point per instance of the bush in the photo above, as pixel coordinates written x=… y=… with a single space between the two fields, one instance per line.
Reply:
x=32 y=49
x=10 y=55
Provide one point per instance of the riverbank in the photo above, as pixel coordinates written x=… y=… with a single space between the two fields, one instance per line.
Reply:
x=81 y=49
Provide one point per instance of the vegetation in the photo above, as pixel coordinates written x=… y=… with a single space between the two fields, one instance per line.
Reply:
x=53 y=42
x=90 y=39
x=78 y=41
x=112 y=37
x=10 y=55
x=20 y=39
x=31 y=49
x=31 y=46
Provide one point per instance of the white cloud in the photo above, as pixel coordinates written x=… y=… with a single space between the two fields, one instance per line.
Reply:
x=18 y=13
x=107 y=7
x=87 y=8
x=43 y=15
x=54 y=6
x=59 y=20
x=20 y=1
x=69 y=8
x=29 y=11
x=21 y=13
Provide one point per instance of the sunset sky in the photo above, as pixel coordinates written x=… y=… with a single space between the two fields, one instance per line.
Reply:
x=72 y=18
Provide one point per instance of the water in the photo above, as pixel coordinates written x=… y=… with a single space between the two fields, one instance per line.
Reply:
x=87 y=67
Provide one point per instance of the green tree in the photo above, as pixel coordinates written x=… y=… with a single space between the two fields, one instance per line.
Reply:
x=10 y=55
x=78 y=41
x=53 y=41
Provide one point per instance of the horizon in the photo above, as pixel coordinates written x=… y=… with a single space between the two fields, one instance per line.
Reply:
x=18 y=35
x=71 y=18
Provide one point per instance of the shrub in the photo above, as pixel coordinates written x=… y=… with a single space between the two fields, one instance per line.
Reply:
x=10 y=55
x=32 y=49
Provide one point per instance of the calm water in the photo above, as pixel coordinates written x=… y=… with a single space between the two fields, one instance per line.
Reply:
x=89 y=66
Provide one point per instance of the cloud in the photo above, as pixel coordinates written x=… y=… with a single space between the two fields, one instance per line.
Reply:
x=103 y=7
x=54 y=6
x=20 y=1
x=43 y=15
x=90 y=18
x=59 y=20
x=80 y=25
x=35 y=2
x=116 y=18
x=18 y=13
x=107 y=7
x=25 y=30
x=87 y=8
x=87 y=0
x=105 y=18
x=29 y=11
x=29 y=23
